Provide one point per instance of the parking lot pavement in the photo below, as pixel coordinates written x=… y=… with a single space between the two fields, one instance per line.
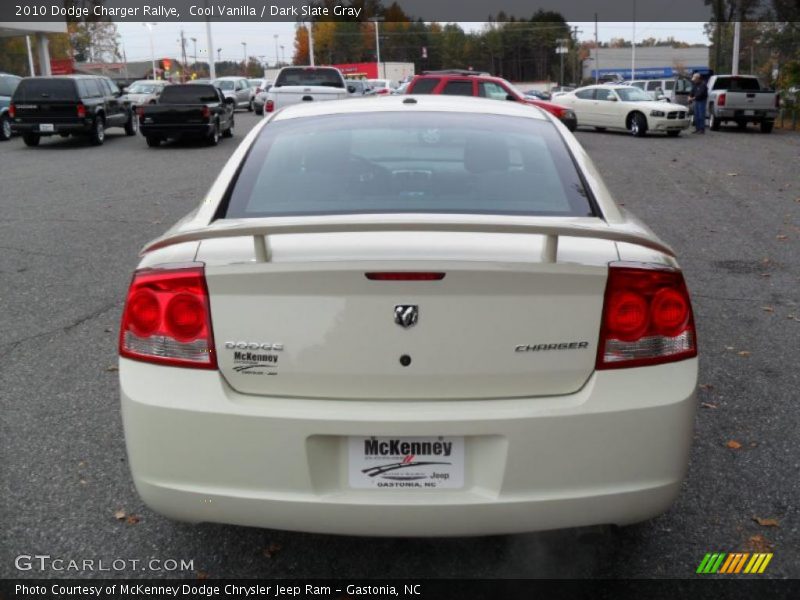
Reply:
x=73 y=218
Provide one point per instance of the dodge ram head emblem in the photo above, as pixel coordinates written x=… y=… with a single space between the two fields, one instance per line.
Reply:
x=406 y=315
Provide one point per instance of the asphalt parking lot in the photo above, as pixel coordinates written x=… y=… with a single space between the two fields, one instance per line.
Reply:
x=73 y=218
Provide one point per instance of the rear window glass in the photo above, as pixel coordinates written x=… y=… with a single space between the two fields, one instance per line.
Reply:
x=51 y=89
x=310 y=76
x=737 y=84
x=436 y=162
x=188 y=94
x=424 y=86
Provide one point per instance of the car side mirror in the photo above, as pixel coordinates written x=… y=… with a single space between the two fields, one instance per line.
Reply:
x=511 y=97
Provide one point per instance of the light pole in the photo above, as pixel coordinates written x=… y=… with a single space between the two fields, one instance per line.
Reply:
x=377 y=20
x=244 y=63
x=277 y=56
x=194 y=56
x=633 y=44
x=283 y=56
x=562 y=50
x=152 y=51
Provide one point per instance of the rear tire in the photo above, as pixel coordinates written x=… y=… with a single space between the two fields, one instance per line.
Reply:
x=98 y=133
x=766 y=126
x=5 y=128
x=637 y=125
x=259 y=111
x=31 y=139
x=153 y=141
x=132 y=126
x=713 y=121
x=250 y=106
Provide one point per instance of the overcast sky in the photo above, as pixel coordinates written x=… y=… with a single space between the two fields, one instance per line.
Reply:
x=260 y=39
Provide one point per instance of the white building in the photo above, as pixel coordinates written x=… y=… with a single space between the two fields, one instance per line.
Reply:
x=652 y=62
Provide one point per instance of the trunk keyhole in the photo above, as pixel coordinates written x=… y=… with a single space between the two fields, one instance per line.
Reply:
x=405 y=360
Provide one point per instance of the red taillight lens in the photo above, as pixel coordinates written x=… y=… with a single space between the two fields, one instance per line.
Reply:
x=206 y=112
x=167 y=319
x=647 y=318
x=270 y=106
x=140 y=111
x=12 y=111
x=81 y=111
x=398 y=276
x=721 y=99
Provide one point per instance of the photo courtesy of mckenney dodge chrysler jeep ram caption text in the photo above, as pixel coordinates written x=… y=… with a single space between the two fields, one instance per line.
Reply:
x=458 y=332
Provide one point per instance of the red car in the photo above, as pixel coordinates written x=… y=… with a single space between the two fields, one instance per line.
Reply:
x=474 y=83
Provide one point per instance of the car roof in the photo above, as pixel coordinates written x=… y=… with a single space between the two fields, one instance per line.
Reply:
x=230 y=77
x=410 y=103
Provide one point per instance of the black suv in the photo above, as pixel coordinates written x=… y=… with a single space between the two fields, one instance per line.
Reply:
x=69 y=105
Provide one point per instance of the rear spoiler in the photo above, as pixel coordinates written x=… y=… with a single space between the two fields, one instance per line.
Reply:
x=260 y=229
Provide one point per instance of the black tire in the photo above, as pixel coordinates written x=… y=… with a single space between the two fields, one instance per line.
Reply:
x=713 y=122
x=766 y=126
x=98 y=133
x=637 y=124
x=153 y=141
x=5 y=128
x=228 y=133
x=31 y=139
x=600 y=129
x=132 y=126
x=675 y=133
x=250 y=107
x=259 y=111
x=213 y=139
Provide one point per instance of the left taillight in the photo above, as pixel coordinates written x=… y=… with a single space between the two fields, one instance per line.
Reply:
x=81 y=111
x=12 y=111
x=647 y=318
x=167 y=319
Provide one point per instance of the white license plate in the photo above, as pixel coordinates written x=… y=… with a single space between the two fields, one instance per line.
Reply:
x=416 y=463
x=46 y=128
x=749 y=113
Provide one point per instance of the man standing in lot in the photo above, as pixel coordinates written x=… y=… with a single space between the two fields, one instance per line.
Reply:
x=699 y=95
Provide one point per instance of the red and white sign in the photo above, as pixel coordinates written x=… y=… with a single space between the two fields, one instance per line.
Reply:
x=367 y=70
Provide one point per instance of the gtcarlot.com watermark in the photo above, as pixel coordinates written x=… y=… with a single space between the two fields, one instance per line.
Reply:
x=40 y=563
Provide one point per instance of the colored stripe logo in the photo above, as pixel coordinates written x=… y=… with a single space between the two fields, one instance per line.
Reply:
x=733 y=563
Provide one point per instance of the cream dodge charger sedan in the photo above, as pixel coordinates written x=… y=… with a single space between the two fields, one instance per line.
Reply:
x=624 y=107
x=455 y=333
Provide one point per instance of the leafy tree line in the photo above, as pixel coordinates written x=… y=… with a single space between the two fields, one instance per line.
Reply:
x=517 y=49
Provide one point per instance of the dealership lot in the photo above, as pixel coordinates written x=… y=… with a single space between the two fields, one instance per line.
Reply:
x=74 y=218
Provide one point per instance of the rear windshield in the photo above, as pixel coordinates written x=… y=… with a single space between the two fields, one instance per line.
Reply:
x=737 y=84
x=189 y=94
x=420 y=162
x=44 y=88
x=310 y=76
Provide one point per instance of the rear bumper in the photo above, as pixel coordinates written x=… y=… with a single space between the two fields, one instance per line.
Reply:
x=176 y=131
x=742 y=114
x=614 y=452
x=84 y=126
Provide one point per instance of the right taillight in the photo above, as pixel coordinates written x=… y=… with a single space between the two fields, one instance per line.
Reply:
x=167 y=319
x=270 y=106
x=12 y=111
x=647 y=318
x=206 y=112
x=721 y=99
x=81 y=111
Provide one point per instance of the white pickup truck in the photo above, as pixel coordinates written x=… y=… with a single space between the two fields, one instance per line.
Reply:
x=305 y=84
x=741 y=99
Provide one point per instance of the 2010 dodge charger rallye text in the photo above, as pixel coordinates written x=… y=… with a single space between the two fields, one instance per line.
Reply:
x=455 y=333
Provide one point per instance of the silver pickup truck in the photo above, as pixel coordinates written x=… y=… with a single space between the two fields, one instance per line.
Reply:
x=741 y=99
x=305 y=84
